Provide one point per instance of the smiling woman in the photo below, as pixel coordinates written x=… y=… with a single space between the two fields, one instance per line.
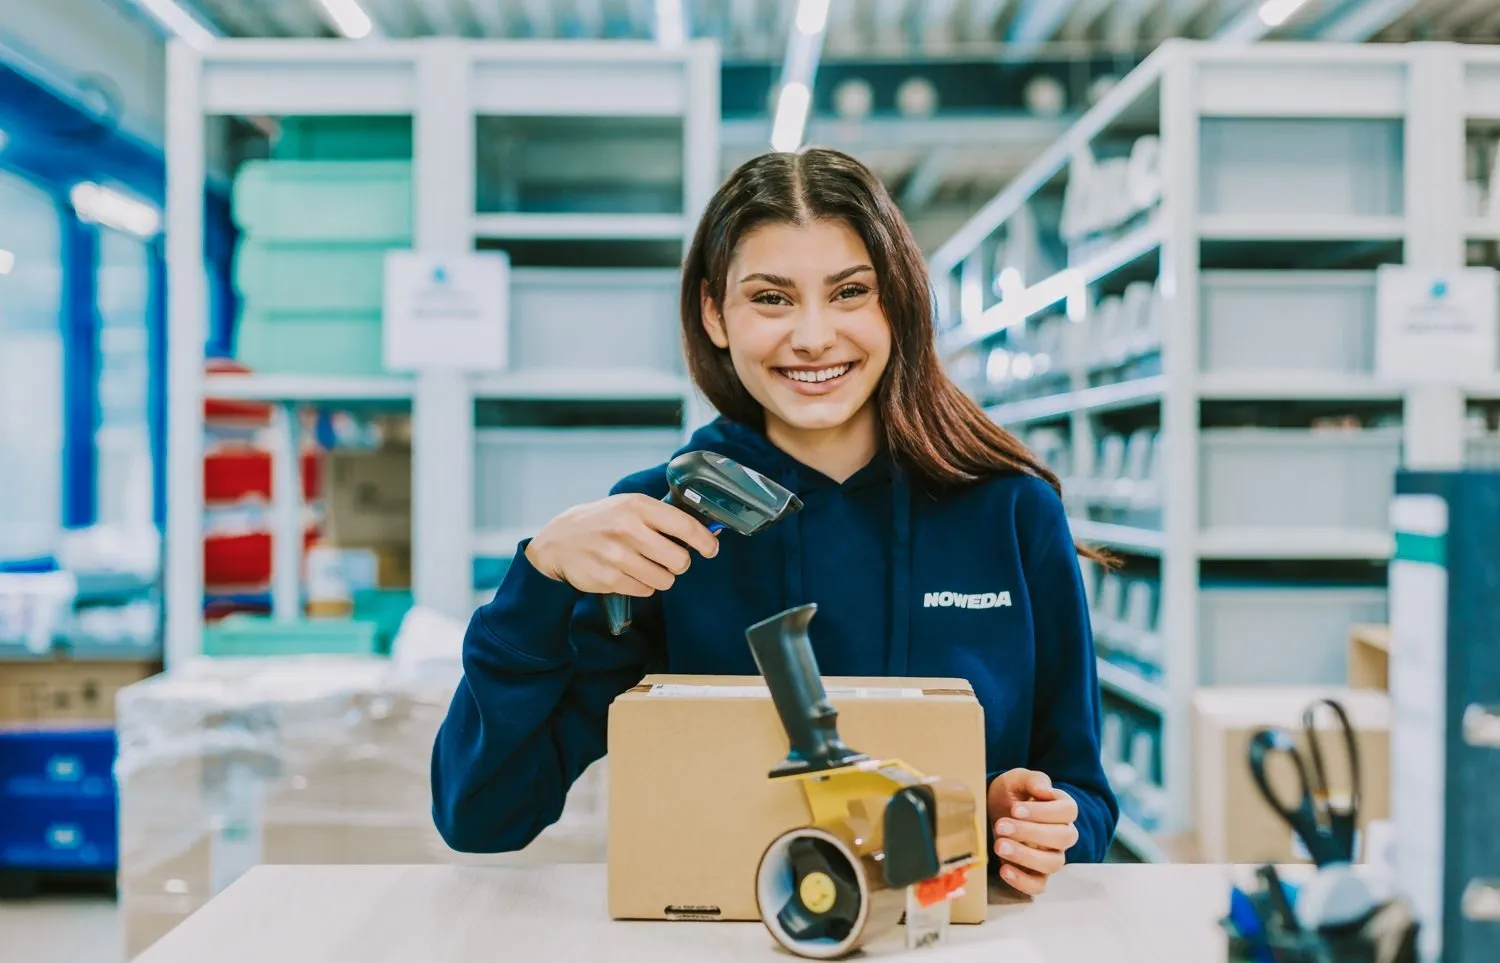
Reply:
x=933 y=543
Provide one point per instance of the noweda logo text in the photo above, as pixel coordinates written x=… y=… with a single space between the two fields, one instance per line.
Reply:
x=960 y=600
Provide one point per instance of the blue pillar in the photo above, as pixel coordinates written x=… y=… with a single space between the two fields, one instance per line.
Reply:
x=80 y=333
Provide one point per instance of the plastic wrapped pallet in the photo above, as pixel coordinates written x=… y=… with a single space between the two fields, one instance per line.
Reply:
x=226 y=764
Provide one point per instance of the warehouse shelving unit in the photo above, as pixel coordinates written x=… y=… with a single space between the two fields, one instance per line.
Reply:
x=451 y=89
x=1187 y=324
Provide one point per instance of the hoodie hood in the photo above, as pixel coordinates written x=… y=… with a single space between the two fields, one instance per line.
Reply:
x=750 y=447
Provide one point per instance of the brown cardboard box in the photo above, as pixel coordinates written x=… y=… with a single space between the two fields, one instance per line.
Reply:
x=1234 y=822
x=1370 y=657
x=56 y=690
x=691 y=809
x=369 y=498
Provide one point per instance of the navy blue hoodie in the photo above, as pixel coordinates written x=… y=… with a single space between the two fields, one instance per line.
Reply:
x=981 y=584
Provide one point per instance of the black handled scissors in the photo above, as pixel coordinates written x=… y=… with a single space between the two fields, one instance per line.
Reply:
x=1325 y=828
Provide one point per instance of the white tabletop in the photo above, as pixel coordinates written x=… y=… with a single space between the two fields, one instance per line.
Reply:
x=453 y=914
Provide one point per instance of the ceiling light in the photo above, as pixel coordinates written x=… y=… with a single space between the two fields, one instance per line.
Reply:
x=791 y=117
x=103 y=205
x=1274 y=13
x=175 y=19
x=7 y=262
x=349 y=18
x=812 y=16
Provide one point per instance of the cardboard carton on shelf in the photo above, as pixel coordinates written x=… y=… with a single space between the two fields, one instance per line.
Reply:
x=1370 y=657
x=368 y=498
x=691 y=807
x=1233 y=821
x=66 y=690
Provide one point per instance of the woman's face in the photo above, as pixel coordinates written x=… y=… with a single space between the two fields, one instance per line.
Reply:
x=803 y=324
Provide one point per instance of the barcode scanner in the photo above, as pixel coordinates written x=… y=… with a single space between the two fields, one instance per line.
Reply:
x=720 y=493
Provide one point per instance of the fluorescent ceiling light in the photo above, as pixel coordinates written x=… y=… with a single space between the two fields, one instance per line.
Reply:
x=670 y=31
x=7 y=262
x=175 y=19
x=349 y=18
x=812 y=16
x=1274 y=13
x=103 y=205
x=791 y=117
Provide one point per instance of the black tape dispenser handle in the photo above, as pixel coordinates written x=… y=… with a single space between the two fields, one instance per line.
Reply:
x=720 y=493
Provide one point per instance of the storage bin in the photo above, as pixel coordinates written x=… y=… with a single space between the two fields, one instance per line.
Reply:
x=72 y=765
x=1284 y=321
x=1297 y=478
x=250 y=635
x=310 y=278
x=1257 y=634
x=369 y=201
x=524 y=477
x=357 y=138
x=386 y=609
x=53 y=836
x=1300 y=167
x=580 y=319
x=1484 y=453
x=294 y=343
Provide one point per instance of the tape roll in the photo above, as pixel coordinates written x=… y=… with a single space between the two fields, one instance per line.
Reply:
x=878 y=910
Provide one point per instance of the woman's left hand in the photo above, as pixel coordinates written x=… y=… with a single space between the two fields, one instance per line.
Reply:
x=1033 y=827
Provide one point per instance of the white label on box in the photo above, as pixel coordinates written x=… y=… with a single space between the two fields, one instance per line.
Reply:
x=448 y=312
x=761 y=692
x=1436 y=326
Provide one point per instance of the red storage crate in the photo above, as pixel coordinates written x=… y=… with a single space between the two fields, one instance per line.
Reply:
x=231 y=474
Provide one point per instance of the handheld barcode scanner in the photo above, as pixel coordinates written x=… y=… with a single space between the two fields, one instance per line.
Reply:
x=883 y=839
x=721 y=493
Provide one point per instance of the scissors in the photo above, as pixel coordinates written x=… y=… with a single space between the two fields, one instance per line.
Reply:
x=1326 y=829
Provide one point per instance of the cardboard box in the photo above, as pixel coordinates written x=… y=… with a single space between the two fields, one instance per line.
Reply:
x=1234 y=822
x=62 y=690
x=368 y=499
x=1370 y=657
x=691 y=807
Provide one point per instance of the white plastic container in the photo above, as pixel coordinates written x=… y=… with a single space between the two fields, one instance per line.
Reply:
x=1297 y=478
x=1275 y=635
x=525 y=476
x=597 y=318
x=1301 y=167
x=1281 y=321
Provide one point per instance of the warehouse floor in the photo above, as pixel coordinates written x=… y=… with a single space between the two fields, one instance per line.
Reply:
x=61 y=929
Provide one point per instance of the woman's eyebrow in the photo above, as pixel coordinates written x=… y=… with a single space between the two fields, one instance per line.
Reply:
x=775 y=279
x=847 y=272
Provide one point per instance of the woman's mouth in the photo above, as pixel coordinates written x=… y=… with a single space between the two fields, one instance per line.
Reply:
x=816 y=379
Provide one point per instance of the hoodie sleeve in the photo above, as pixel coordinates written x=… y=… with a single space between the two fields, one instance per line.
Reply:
x=1065 y=741
x=531 y=711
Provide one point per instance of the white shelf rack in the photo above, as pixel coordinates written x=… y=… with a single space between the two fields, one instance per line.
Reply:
x=445 y=85
x=1208 y=215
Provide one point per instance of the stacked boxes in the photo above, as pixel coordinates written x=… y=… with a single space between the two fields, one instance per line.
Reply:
x=57 y=798
x=311 y=265
x=226 y=764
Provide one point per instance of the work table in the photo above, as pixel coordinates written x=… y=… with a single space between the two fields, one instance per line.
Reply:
x=1123 y=913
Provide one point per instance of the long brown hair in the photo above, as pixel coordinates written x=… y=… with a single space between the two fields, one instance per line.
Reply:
x=930 y=425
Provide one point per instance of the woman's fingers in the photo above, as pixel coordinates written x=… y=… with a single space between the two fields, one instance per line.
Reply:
x=1044 y=861
x=661 y=550
x=677 y=523
x=1060 y=810
x=1028 y=882
x=1055 y=836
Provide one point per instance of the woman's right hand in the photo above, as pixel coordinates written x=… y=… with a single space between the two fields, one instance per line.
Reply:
x=622 y=544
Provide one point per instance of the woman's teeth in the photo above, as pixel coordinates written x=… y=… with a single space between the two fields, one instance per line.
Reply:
x=816 y=375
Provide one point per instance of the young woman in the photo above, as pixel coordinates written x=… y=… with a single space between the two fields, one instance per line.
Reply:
x=807 y=323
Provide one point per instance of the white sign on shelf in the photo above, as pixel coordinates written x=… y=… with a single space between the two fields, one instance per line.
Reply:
x=1437 y=326
x=446 y=311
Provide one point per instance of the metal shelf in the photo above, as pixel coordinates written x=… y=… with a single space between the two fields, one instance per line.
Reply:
x=1295 y=543
x=621 y=384
x=574 y=227
x=1141 y=541
x=1295 y=386
x=1124 y=394
x=306 y=389
x=1123 y=682
x=1279 y=227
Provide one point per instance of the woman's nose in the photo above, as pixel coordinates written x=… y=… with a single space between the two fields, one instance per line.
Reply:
x=813 y=332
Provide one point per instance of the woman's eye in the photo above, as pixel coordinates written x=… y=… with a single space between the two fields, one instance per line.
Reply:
x=770 y=297
x=851 y=291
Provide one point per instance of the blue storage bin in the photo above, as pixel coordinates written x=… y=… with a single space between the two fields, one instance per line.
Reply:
x=45 y=835
x=58 y=765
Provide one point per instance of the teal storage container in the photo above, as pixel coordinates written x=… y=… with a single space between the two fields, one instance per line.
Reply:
x=344 y=138
x=296 y=343
x=281 y=276
x=366 y=201
x=385 y=608
x=240 y=636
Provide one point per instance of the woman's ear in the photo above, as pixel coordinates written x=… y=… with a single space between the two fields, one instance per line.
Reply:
x=713 y=321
